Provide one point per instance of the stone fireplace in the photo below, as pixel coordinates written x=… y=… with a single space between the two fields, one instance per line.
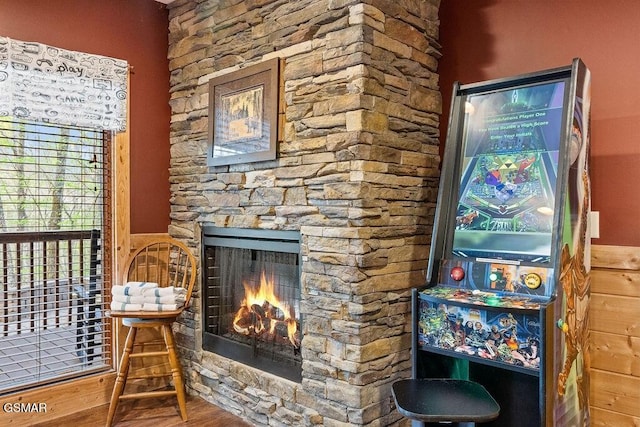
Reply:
x=355 y=179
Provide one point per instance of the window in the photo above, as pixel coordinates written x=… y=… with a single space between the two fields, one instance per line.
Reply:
x=55 y=228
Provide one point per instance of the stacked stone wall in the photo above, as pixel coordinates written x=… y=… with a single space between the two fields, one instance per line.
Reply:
x=356 y=174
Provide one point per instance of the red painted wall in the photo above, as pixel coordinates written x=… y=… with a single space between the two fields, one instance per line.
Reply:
x=133 y=30
x=499 y=38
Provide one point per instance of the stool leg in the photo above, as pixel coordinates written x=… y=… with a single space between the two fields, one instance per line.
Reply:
x=121 y=380
x=176 y=370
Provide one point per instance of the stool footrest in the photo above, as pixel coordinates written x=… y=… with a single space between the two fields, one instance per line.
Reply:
x=149 y=354
x=146 y=394
x=149 y=376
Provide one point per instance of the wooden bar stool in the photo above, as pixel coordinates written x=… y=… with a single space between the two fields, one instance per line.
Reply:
x=443 y=400
x=165 y=262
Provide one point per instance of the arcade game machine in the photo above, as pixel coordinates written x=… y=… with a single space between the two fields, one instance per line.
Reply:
x=507 y=291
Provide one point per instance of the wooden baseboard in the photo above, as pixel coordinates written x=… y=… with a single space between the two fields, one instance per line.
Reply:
x=48 y=403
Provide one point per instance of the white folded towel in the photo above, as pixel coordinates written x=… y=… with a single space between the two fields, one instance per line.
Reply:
x=129 y=299
x=166 y=299
x=142 y=285
x=133 y=288
x=161 y=292
x=141 y=299
x=121 y=306
x=160 y=307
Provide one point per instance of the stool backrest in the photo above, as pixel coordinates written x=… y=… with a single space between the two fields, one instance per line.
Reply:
x=165 y=261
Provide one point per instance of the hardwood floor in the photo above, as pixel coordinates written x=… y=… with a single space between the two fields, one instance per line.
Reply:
x=153 y=413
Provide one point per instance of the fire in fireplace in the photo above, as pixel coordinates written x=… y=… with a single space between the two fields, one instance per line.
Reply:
x=251 y=301
x=262 y=313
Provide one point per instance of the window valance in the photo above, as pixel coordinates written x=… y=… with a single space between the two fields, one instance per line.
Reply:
x=49 y=84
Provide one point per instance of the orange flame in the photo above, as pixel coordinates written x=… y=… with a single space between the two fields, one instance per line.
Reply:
x=262 y=307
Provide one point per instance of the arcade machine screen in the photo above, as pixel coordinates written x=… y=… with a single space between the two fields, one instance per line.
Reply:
x=508 y=174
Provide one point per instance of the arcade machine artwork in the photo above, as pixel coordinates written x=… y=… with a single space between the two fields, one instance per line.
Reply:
x=507 y=290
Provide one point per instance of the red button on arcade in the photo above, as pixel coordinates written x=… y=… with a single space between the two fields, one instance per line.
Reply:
x=457 y=273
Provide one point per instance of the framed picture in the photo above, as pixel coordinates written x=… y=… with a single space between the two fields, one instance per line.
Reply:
x=243 y=115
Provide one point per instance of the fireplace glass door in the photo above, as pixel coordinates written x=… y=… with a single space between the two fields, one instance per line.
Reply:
x=252 y=298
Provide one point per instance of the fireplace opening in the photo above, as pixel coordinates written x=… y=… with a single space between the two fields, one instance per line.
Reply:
x=251 y=301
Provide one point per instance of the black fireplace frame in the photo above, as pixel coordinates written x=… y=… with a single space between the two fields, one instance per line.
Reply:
x=258 y=239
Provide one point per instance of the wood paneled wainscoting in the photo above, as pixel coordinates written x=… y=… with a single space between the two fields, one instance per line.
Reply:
x=615 y=336
x=615 y=354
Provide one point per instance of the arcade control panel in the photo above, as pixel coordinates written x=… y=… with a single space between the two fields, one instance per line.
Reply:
x=490 y=311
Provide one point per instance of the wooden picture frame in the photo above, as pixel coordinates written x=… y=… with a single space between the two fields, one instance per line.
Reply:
x=243 y=115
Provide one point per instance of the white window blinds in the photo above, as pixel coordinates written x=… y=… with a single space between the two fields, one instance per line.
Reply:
x=55 y=224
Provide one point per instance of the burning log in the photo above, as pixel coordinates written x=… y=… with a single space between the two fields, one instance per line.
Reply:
x=261 y=310
x=247 y=322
